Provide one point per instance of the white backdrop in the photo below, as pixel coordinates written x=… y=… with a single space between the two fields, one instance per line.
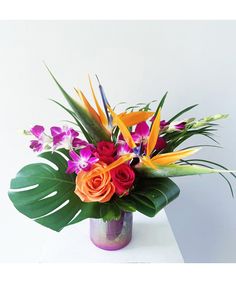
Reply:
x=136 y=62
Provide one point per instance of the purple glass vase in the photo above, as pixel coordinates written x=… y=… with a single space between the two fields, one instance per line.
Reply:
x=112 y=235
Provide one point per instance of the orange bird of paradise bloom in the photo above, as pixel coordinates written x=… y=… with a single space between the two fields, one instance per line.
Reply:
x=128 y=119
x=125 y=120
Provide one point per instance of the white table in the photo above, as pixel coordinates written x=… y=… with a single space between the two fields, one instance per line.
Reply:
x=23 y=240
x=153 y=241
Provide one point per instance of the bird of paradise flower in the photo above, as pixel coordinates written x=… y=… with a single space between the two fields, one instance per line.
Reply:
x=110 y=119
x=151 y=164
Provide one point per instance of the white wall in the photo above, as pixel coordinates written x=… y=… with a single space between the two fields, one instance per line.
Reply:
x=136 y=61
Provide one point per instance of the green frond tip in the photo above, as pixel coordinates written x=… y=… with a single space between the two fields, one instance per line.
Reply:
x=160 y=105
x=182 y=112
x=175 y=170
x=95 y=129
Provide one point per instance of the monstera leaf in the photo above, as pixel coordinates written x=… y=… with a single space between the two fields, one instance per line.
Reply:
x=151 y=195
x=47 y=195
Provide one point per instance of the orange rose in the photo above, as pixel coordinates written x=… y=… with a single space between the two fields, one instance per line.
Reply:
x=99 y=188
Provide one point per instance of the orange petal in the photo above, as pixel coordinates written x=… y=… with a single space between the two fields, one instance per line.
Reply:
x=88 y=105
x=155 y=129
x=148 y=162
x=171 y=157
x=113 y=165
x=133 y=118
x=125 y=132
x=99 y=109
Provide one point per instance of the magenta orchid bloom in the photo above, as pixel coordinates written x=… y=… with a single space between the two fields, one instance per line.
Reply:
x=84 y=161
x=176 y=126
x=171 y=127
x=141 y=134
x=66 y=137
x=164 y=124
x=123 y=149
x=180 y=126
x=41 y=138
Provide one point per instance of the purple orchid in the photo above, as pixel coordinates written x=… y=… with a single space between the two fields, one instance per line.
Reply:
x=41 y=140
x=141 y=133
x=163 y=124
x=84 y=161
x=180 y=126
x=176 y=126
x=66 y=137
x=171 y=127
x=123 y=149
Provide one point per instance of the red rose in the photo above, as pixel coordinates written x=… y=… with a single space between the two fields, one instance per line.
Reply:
x=123 y=178
x=106 y=159
x=106 y=148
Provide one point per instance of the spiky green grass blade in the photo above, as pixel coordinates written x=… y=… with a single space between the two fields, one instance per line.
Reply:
x=182 y=112
x=95 y=129
x=221 y=174
x=161 y=104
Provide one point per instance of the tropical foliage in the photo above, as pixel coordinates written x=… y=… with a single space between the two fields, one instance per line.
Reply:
x=109 y=162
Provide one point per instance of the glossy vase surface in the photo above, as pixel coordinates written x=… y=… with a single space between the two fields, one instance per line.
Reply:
x=112 y=235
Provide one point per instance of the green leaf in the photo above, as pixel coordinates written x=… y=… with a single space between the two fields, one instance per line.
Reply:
x=87 y=136
x=182 y=112
x=110 y=211
x=161 y=103
x=151 y=195
x=214 y=163
x=176 y=138
x=125 y=204
x=47 y=196
x=115 y=133
x=202 y=145
x=146 y=107
x=95 y=129
x=88 y=210
x=174 y=170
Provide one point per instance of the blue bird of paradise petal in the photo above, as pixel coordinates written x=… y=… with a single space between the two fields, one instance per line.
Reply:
x=137 y=150
x=105 y=102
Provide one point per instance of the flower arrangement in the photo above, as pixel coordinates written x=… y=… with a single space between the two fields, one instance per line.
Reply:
x=108 y=162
